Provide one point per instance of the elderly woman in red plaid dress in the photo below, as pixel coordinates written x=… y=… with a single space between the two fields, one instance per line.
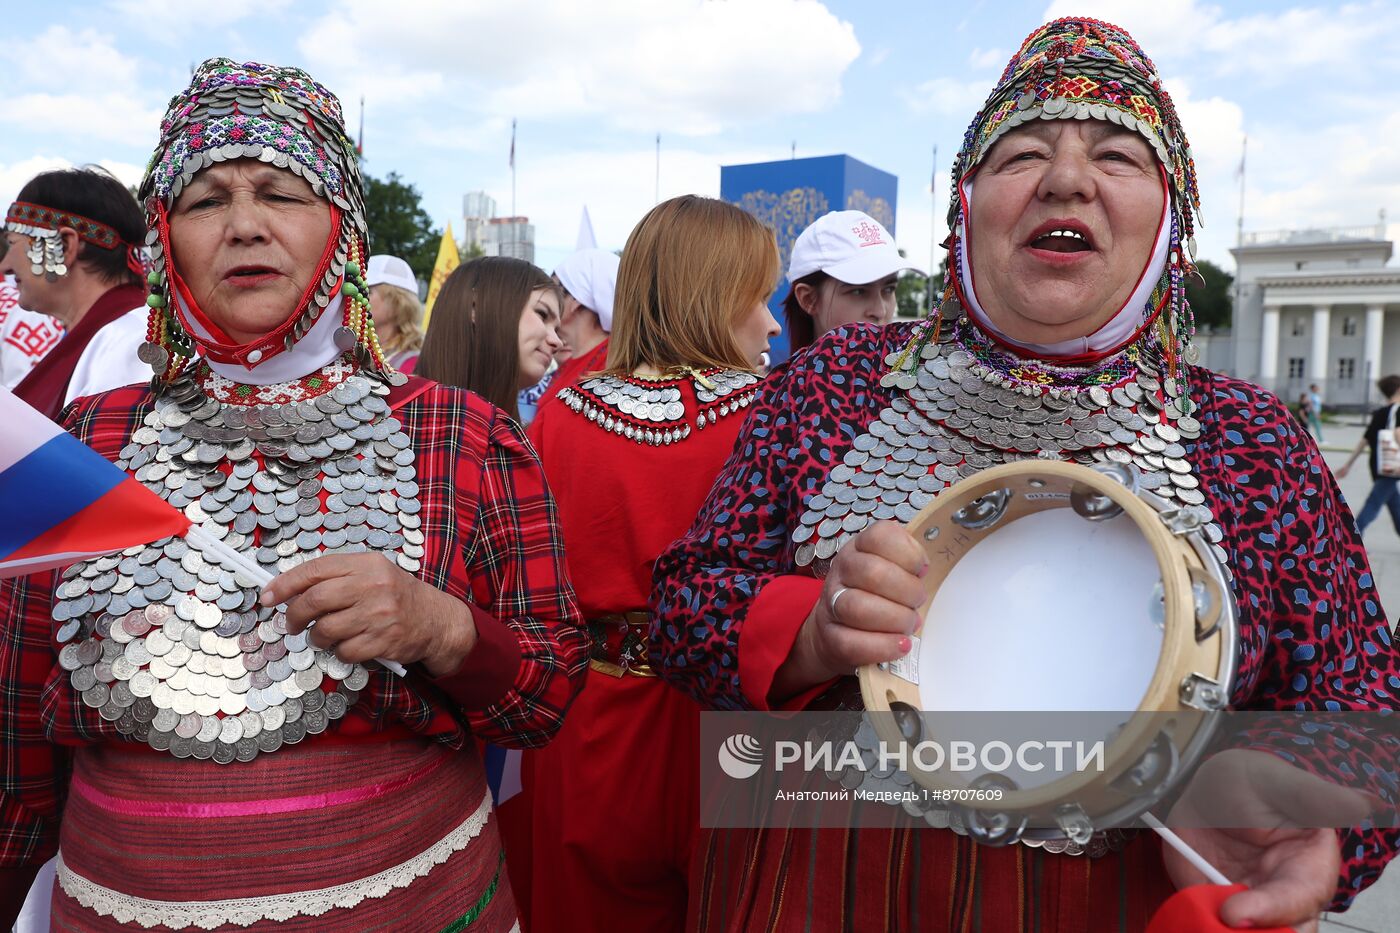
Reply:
x=224 y=763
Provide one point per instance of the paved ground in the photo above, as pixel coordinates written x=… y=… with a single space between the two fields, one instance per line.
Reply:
x=1378 y=909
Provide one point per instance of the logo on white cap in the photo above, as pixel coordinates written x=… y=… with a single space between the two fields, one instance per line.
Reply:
x=869 y=234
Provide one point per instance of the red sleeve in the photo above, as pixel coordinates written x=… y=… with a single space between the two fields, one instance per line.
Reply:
x=492 y=667
x=767 y=637
x=516 y=563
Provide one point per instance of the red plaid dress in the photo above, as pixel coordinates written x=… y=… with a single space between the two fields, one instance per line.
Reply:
x=491 y=537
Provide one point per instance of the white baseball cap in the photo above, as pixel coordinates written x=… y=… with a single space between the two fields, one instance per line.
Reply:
x=590 y=275
x=849 y=246
x=390 y=270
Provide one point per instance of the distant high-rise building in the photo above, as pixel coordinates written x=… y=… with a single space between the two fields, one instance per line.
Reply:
x=478 y=209
x=510 y=236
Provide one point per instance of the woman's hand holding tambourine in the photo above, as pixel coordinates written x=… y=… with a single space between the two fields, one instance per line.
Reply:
x=866 y=612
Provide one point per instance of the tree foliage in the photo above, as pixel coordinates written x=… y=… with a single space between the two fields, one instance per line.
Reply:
x=1213 y=303
x=911 y=292
x=399 y=226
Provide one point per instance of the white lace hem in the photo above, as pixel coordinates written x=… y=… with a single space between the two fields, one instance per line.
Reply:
x=206 y=915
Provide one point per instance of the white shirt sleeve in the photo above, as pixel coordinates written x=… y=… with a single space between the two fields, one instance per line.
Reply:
x=109 y=360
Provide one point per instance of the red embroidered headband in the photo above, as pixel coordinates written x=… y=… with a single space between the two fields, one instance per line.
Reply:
x=22 y=213
x=36 y=220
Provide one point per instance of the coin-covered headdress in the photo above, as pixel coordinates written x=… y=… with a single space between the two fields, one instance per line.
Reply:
x=283 y=117
x=1085 y=69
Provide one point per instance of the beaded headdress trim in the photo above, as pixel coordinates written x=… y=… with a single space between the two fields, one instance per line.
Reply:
x=282 y=117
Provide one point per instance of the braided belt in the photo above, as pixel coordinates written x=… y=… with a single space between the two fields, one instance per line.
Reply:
x=618 y=644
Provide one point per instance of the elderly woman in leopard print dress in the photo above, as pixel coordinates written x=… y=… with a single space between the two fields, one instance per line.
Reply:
x=1064 y=334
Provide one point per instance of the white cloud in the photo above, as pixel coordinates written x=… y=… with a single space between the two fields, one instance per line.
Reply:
x=1266 y=45
x=14 y=175
x=680 y=66
x=618 y=188
x=948 y=96
x=987 y=58
x=1341 y=175
x=1276 y=46
x=1215 y=127
x=95 y=95
x=88 y=58
x=179 y=16
x=109 y=117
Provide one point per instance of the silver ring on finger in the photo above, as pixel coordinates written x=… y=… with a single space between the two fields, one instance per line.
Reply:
x=831 y=603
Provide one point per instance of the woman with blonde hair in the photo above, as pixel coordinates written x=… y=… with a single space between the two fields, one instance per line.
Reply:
x=630 y=455
x=397 y=312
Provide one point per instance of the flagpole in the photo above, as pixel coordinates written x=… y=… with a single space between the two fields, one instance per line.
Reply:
x=514 y=223
x=932 y=226
x=657 y=199
x=255 y=574
x=1239 y=233
x=361 y=145
x=1239 y=224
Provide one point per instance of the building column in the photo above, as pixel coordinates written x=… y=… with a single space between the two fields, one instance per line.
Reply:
x=1375 y=327
x=1321 y=330
x=1268 y=347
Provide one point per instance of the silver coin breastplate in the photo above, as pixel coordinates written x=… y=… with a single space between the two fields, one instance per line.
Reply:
x=169 y=646
x=954 y=416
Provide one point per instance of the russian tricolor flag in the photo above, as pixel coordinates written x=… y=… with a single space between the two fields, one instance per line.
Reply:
x=61 y=501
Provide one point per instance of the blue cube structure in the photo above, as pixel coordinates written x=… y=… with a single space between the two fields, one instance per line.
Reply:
x=791 y=193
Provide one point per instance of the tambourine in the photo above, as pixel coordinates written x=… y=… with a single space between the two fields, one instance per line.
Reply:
x=1059 y=587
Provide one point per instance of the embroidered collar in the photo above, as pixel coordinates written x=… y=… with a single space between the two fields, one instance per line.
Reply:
x=655 y=411
x=225 y=390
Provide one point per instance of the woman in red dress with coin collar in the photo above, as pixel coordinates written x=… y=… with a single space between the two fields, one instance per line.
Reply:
x=630 y=455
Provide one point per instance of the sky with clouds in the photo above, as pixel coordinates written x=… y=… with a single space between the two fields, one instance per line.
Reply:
x=1313 y=84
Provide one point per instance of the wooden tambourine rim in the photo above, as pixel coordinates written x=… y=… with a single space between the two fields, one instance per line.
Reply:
x=1181 y=654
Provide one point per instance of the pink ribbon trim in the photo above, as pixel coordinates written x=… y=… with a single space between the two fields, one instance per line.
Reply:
x=232 y=808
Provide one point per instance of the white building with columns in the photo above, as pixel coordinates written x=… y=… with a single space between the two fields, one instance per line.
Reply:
x=1317 y=306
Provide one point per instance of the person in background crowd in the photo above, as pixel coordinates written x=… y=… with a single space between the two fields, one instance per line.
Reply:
x=630 y=454
x=1304 y=411
x=588 y=278
x=73 y=239
x=843 y=271
x=495 y=329
x=528 y=400
x=1065 y=303
x=1314 y=397
x=398 y=314
x=1385 y=490
x=199 y=753
x=25 y=336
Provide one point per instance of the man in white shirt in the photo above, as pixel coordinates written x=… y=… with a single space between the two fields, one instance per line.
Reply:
x=25 y=336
